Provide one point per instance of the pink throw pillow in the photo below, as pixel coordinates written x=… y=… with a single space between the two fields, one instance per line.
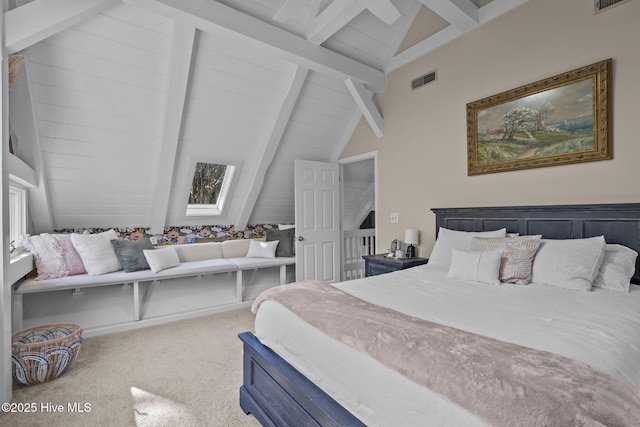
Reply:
x=54 y=256
x=47 y=256
x=70 y=255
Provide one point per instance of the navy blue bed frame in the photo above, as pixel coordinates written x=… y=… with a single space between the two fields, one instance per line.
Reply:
x=276 y=394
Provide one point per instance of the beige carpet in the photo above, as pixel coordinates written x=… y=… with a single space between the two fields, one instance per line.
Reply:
x=185 y=373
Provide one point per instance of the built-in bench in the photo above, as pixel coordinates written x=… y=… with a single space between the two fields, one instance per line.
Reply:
x=200 y=259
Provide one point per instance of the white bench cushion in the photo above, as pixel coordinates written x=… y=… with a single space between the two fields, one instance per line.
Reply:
x=185 y=269
x=246 y=263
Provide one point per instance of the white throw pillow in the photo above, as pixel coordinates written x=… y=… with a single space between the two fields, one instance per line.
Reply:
x=96 y=252
x=617 y=268
x=162 y=258
x=259 y=249
x=476 y=266
x=569 y=264
x=518 y=255
x=235 y=248
x=453 y=239
x=199 y=251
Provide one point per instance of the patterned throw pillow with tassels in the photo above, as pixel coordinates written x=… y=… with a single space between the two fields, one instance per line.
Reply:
x=519 y=252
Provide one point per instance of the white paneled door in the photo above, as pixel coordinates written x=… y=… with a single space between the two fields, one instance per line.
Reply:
x=317 y=205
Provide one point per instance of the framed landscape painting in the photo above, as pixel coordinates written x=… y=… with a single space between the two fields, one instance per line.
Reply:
x=559 y=120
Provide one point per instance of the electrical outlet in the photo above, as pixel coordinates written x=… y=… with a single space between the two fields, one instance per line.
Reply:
x=394 y=217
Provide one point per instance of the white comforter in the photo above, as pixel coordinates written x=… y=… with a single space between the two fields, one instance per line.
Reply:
x=600 y=328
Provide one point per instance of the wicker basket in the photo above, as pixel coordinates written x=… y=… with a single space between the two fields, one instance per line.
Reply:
x=42 y=353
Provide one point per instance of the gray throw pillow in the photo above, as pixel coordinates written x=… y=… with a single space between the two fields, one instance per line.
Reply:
x=130 y=253
x=286 y=247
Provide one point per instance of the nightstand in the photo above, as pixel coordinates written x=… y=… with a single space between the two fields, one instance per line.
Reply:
x=380 y=264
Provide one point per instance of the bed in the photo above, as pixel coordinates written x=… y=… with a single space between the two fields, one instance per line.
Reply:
x=297 y=374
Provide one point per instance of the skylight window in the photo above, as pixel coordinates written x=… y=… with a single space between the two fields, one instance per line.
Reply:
x=209 y=188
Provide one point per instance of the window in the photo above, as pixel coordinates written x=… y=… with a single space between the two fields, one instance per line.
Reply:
x=209 y=188
x=17 y=215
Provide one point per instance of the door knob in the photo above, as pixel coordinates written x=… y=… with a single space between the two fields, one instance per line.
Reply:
x=299 y=238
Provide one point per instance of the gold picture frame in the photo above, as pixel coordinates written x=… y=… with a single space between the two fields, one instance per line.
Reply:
x=556 y=121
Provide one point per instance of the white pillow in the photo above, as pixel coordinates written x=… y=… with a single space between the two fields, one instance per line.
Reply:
x=96 y=252
x=235 y=248
x=617 y=269
x=476 y=266
x=569 y=264
x=453 y=239
x=199 y=251
x=162 y=258
x=258 y=249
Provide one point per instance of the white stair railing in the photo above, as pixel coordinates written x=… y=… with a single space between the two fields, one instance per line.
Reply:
x=356 y=243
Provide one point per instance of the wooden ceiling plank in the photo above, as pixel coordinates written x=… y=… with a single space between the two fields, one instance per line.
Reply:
x=364 y=99
x=33 y=22
x=462 y=14
x=211 y=16
x=268 y=150
x=177 y=84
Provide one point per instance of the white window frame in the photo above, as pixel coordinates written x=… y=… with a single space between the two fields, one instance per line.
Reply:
x=226 y=192
x=17 y=215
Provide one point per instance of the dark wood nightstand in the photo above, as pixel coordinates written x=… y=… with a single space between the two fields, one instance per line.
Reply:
x=380 y=264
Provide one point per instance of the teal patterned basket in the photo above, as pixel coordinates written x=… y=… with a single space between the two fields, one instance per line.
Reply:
x=42 y=353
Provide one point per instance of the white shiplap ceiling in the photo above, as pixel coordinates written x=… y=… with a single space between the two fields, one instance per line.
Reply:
x=118 y=99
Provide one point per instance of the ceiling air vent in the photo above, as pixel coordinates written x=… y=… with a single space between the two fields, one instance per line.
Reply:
x=602 y=5
x=423 y=80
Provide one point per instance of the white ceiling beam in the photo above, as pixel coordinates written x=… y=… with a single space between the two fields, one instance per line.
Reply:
x=332 y=19
x=316 y=6
x=21 y=172
x=383 y=9
x=35 y=21
x=177 y=83
x=497 y=8
x=288 y=10
x=487 y=13
x=341 y=12
x=212 y=16
x=268 y=150
x=364 y=99
x=420 y=49
x=410 y=15
x=462 y=14
x=39 y=204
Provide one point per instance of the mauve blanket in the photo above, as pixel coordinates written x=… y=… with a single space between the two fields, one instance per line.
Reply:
x=502 y=383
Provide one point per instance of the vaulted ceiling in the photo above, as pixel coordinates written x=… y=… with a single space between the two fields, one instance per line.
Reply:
x=117 y=99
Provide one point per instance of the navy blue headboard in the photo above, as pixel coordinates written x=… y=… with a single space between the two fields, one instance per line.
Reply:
x=618 y=223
